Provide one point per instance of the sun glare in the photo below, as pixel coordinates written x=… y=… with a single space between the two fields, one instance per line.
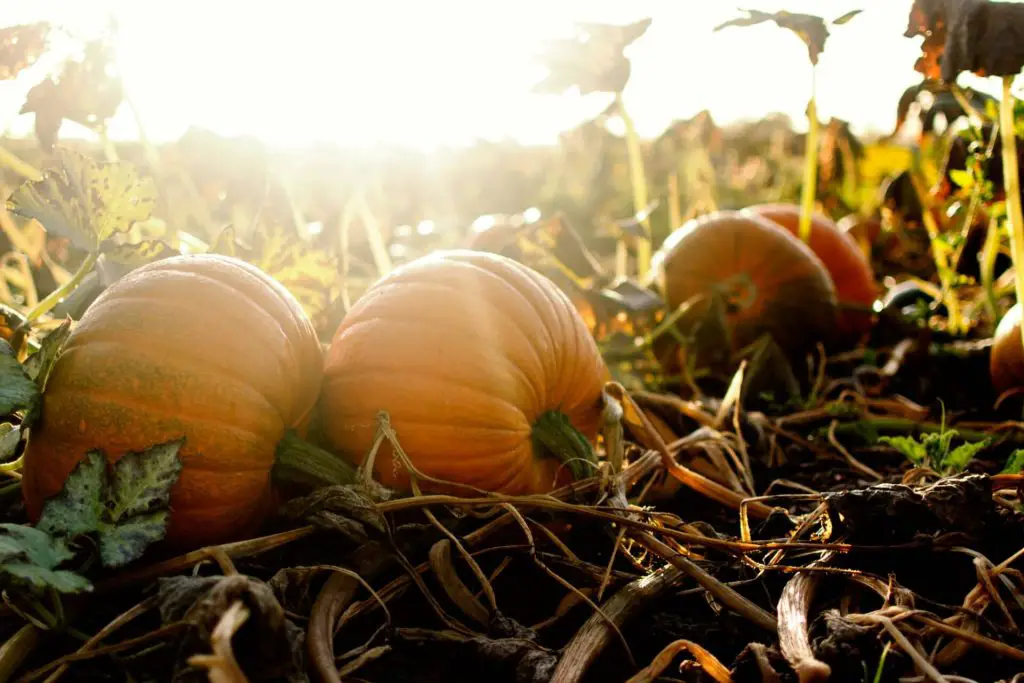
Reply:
x=450 y=72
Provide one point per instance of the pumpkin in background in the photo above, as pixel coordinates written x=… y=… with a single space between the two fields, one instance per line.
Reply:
x=850 y=271
x=771 y=282
x=864 y=231
x=206 y=347
x=487 y=372
x=1006 y=363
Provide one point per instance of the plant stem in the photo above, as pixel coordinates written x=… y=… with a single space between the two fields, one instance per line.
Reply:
x=1011 y=184
x=56 y=295
x=17 y=648
x=810 y=183
x=639 y=182
x=301 y=462
x=554 y=436
x=13 y=162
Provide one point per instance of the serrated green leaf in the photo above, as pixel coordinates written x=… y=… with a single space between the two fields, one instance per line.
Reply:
x=912 y=450
x=126 y=506
x=126 y=541
x=143 y=481
x=78 y=508
x=36 y=545
x=1015 y=463
x=54 y=203
x=84 y=200
x=60 y=580
x=17 y=391
x=957 y=459
x=138 y=254
x=39 y=364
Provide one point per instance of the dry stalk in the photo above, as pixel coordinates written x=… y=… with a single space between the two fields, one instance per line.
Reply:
x=221 y=666
x=707 y=661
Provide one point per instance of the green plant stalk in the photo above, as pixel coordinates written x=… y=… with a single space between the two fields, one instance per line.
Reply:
x=56 y=295
x=810 y=184
x=299 y=461
x=989 y=252
x=939 y=255
x=16 y=650
x=22 y=168
x=639 y=183
x=554 y=436
x=1011 y=182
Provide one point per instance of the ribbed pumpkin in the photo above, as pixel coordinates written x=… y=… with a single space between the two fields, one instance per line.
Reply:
x=1006 y=362
x=205 y=347
x=850 y=271
x=487 y=372
x=771 y=282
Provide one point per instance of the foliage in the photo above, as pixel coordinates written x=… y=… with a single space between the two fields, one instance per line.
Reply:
x=125 y=506
x=935 y=450
x=32 y=556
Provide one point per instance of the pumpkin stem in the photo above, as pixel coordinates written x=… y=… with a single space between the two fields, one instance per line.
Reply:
x=298 y=461
x=555 y=437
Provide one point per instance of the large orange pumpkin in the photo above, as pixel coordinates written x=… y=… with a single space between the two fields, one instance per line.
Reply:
x=1006 y=362
x=206 y=347
x=487 y=372
x=770 y=282
x=850 y=271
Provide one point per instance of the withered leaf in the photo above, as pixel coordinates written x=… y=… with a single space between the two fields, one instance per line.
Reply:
x=84 y=200
x=809 y=28
x=87 y=92
x=979 y=36
x=342 y=509
x=20 y=47
x=592 y=61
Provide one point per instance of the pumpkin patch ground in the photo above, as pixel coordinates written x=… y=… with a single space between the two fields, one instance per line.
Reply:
x=733 y=402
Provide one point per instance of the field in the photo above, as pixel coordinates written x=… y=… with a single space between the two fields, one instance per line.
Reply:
x=735 y=403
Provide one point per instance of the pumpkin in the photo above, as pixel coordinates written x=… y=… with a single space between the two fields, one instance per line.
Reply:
x=769 y=281
x=205 y=347
x=1006 y=362
x=488 y=374
x=850 y=271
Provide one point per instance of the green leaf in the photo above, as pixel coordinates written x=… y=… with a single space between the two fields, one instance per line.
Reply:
x=38 y=546
x=78 y=508
x=962 y=178
x=126 y=506
x=143 y=481
x=1015 y=463
x=846 y=17
x=32 y=556
x=61 y=580
x=957 y=459
x=39 y=364
x=139 y=253
x=912 y=450
x=85 y=200
x=124 y=542
x=10 y=437
x=17 y=391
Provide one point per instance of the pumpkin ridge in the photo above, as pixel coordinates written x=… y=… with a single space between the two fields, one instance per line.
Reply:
x=251 y=393
x=341 y=414
x=501 y=282
x=498 y=356
x=546 y=314
x=124 y=337
x=134 y=402
x=237 y=316
x=440 y=377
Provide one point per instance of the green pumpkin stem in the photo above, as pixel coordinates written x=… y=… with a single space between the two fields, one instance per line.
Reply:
x=300 y=462
x=555 y=437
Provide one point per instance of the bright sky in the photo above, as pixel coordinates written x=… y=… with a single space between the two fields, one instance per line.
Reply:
x=446 y=72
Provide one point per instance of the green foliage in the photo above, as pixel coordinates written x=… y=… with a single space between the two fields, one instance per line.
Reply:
x=17 y=390
x=935 y=450
x=85 y=200
x=1015 y=463
x=40 y=363
x=126 y=505
x=32 y=556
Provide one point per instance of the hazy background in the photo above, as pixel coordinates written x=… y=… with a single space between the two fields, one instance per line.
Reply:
x=446 y=72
